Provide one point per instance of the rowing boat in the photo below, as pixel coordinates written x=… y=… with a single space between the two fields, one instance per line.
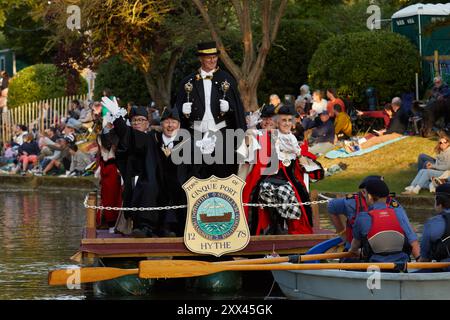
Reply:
x=356 y=285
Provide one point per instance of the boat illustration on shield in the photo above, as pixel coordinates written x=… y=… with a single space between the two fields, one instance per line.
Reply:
x=215 y=213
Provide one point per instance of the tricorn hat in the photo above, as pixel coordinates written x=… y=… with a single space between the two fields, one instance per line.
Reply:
x=267 y=111
x=207 y=49
x=138 y=111
x=170 y=113
x=287 y=110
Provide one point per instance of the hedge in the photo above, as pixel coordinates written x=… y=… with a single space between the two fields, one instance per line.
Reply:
x=38 y=82
x=355 y=61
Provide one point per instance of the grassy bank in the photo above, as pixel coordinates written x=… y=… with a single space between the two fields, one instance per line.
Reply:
x=397 y=162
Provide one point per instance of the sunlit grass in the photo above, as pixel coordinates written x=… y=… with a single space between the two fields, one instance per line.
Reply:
x=397 y=162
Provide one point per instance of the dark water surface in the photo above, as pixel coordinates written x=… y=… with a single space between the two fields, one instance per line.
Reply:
x=41 y=230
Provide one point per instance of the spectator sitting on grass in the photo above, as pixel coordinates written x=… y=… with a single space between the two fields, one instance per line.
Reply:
x=74 y=110
x=28 y=153
x=69 y=132
x=86 y=116
x=9 y=154
x=423 y=178
x=385 y=114
x=342 y=123
x=319 y=104
x=399 y=119
x=62 y=159
x=49 y=137
x=322 y=137
x=19 y=133
x=332 y=101
x=79 y=160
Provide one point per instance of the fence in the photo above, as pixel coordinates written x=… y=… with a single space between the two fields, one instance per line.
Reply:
x=38 y=115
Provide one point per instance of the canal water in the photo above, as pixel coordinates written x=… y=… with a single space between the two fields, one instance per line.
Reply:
x=41 y=230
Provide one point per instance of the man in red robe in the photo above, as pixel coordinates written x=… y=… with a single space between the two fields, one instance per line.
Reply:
x=278 y=177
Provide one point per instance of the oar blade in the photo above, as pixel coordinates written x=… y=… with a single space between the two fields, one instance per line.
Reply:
x=163 y=269
x=84 y=275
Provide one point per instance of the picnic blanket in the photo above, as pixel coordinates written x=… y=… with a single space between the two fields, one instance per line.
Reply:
x=341 y=153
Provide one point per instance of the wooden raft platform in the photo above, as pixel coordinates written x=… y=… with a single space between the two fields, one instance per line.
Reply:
x=102 y=244
x=106 y=245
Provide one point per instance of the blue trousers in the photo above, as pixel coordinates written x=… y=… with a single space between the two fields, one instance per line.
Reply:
x=424 y=158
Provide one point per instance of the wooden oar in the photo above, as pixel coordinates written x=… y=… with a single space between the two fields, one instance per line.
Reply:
x=188 y=268
x=83 y=275
x=292 y=258
x=94 y=274
x=191 y=268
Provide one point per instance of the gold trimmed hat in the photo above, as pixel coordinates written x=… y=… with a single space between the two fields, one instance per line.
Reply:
x=207 y=49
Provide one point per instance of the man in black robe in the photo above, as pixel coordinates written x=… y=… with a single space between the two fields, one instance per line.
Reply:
x=208 y=102
x=140 y=182
x=169 y=175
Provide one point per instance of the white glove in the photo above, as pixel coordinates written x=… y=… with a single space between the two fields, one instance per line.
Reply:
x=111 y=105
x=207 y=145
x=253 y=119
x=187 y=107
x=224 y=105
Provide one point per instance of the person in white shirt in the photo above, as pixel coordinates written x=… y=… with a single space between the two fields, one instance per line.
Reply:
x=319 y=104
x=208 y=102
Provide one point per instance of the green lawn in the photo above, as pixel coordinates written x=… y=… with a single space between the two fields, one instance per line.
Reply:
x=397 y=162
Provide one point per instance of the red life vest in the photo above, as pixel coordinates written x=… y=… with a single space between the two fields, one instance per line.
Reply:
x=360 y=206
x=385 y=235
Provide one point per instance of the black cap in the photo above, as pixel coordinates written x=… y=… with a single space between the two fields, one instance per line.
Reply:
x=138 y=111
x=377 y=188
x=207 y=49
x=170 y=113
x=267 y=111
x=362 y=185
x=443 y=190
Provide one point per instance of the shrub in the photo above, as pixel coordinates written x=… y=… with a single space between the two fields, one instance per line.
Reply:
x=125 y=81
x=38 y=82
x=355 y=61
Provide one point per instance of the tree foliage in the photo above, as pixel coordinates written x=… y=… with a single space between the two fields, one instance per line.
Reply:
x=352 y=62
x=149 y=34
x=39 y=82
x=258 y=23
x=25 y=34
x=125 y=81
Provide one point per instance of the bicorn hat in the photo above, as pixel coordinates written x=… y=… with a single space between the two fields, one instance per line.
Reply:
x=207 y=49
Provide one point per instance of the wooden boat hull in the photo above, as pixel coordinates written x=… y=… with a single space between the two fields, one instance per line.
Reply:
x=352 y=285
x=106 y=245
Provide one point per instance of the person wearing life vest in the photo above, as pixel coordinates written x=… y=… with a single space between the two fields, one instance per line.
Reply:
x=435 y=244
x=383 y=232
x=348 y=208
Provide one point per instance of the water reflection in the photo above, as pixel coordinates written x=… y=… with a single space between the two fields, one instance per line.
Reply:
x=38 y=231
x=41 y=230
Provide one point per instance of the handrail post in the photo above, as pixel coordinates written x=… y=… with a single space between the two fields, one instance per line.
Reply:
x=90 y=216
x=315 y=210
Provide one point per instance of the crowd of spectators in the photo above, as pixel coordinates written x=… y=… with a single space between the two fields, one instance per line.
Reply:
x=327 y=122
